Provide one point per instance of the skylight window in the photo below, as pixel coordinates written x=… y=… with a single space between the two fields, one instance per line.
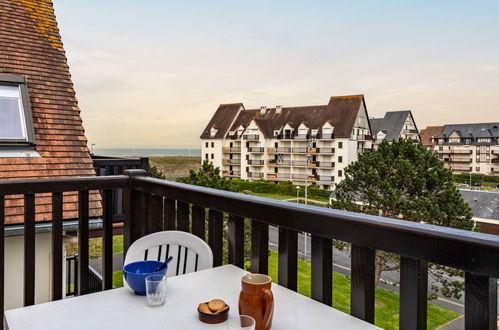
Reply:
x=16 y=126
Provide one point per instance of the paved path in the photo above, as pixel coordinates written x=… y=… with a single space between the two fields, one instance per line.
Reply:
x=117 y=263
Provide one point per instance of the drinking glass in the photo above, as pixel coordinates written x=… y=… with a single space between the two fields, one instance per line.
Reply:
x=242 y=322
x=156 y=290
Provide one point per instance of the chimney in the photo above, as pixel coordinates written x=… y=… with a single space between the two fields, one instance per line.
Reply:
x=278 y=109
x=263 y=110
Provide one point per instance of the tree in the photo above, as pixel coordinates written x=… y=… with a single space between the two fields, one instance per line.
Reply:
x=207 y=176
x=153 y=172
x=403 y=180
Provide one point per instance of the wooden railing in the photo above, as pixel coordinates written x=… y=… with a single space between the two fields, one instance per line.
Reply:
x=153 y=205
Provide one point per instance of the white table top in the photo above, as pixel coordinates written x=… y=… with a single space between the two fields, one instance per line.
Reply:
x=121 y=309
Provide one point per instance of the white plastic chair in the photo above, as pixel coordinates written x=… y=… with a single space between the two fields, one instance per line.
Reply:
x=190 y=253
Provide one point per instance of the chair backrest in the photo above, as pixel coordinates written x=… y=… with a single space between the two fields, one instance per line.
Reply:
x=190 y=253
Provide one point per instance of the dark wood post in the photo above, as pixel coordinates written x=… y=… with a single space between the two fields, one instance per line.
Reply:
x=131 y=210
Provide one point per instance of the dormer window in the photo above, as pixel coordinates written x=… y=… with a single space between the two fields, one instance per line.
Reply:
x=314 y=132
x=213 y=131
x=276 y=133
x=16 y=124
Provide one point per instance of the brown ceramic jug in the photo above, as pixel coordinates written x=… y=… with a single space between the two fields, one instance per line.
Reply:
x=256 y=299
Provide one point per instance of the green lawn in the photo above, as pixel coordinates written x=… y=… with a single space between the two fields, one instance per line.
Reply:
x=387 y=302
x=282 y=197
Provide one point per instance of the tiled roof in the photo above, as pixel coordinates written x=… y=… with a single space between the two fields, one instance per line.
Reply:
x=221 y=120
x=480 y=130
x=392 y=124
x=429 y=132
x=341 y=113
x=31 y=47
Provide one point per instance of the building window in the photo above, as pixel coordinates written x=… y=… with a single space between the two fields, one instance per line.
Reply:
x=340 y=145
x=16 y=123
x=478 y=168
x=206 y=145
x=340 y=159
x=212 y=156
x=340 y=173
x=206 y=156
x=213 y=144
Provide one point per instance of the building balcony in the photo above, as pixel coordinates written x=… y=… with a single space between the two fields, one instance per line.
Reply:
x=364 y=137
x=286 y=137
x=458 y=160
x=325 y=150
x=495 y=161
x=460 y=168
x=251 y=137
x=273 y=162
x=283 y=150
x=255 y=175
x=153 y=205
x=299 y=163
x=301 y=137
x=410 y=131
x=256 y=149
x=325 y=178
x=231 y=150
x=326 y=164
x=495 y=151
x=231 y=161
x=299 y=150
x=256 y=162
x=299 y=177
x=231 y=174
x=461 y=151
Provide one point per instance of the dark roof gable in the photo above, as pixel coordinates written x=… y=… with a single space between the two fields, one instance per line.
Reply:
x=391 y=124
x=221 y=120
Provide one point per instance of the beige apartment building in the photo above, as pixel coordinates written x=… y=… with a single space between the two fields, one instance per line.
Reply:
x=469 y=148
x=305 y=145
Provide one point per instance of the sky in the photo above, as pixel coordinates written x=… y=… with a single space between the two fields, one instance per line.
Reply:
x=151 y=73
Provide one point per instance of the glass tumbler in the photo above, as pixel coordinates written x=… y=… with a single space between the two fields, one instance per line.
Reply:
x=156 y=290
x=240 y=322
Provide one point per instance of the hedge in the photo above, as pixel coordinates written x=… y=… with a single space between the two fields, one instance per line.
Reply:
x=475 y=177
x=283 y=188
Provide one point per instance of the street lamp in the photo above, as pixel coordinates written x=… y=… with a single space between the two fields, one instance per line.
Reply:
x=297 y=192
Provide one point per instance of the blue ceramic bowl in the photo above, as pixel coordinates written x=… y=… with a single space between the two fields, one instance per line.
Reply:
x=136 y=272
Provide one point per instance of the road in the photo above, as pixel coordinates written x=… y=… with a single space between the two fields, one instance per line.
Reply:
x=341 y=264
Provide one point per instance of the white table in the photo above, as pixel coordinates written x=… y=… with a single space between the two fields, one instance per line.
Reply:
x=121 y=309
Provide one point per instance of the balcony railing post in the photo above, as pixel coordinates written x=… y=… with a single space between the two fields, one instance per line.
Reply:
x=29 y=249
x=322 y=270
x=259 y=247
x=131 y=210
x=107 y=240
x=215 y=235
x=480 y=302
x=2 y=251
x=288 y=258
x=83 y=204
x=199 y=221
x=57 y=262
x=183 y=214
x=169 y=214
x=362 y=283
x=236 y=240
x=413 y=293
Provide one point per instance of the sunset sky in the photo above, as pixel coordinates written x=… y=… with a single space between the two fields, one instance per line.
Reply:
x=152 y=73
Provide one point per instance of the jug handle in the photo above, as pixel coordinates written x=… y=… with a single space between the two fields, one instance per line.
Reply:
x=269 y=299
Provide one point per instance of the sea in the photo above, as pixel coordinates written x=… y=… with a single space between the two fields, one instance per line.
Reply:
x=146 y=152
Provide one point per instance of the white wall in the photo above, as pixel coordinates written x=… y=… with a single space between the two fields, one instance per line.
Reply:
x=14 y=270
x=216 y=150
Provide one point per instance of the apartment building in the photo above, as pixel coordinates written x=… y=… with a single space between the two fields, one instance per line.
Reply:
x=429 y=134
x=394 y=125
x=308 y=144
x=469 y=148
